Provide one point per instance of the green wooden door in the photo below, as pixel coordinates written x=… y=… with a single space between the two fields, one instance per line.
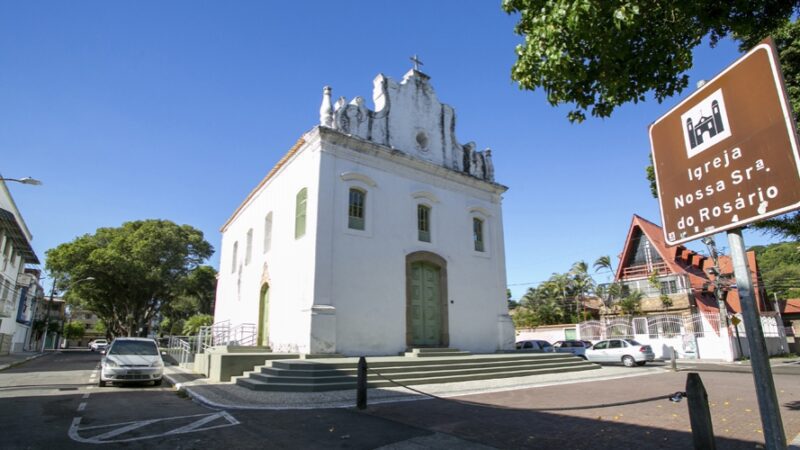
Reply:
x=263 y=317
x=426 y=313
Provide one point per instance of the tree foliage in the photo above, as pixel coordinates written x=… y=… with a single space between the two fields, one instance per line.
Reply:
x=193 y=324
x=138 y=269
x=600 y=54
x=74 y=330
x=779 y=265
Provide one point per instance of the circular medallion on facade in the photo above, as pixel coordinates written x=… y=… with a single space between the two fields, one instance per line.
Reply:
x=422 y=141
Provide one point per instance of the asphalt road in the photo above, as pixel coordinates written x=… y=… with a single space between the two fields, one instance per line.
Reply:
x=53 y=402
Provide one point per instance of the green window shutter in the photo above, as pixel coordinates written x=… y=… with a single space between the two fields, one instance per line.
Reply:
x=300 y=214
x=356 y=209
x=423 y=223
x=477 y=234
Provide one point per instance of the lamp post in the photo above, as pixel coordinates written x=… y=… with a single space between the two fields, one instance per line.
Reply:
x=23 y=180
x=50 y=305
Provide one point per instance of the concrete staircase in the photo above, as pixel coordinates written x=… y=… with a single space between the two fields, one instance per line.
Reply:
x=420 y=366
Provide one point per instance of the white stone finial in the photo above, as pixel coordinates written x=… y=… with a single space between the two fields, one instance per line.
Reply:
x=326 y=109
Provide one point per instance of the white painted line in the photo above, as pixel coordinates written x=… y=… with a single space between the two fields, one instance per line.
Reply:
x=86 y=395
x=82 y=406
x=130 y=426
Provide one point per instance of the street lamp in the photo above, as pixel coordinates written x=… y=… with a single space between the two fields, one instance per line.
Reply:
x=24 y=180
x=50 y=305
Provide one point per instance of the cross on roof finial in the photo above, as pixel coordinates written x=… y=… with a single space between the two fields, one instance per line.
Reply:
x=417 y=62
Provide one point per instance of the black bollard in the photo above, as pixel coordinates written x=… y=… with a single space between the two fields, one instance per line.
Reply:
x=699 y=413
x=361 y=386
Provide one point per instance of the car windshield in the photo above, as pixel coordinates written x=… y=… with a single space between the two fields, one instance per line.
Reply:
x=133 y=348
x=632 y=342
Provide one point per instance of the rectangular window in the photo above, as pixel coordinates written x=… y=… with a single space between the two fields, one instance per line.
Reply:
x=669 y=287
x=235 y=252
x=248 y=249
x=355 y=210
x=300 y=214
x=477 y=234
x=267 y=232
x=423 y=223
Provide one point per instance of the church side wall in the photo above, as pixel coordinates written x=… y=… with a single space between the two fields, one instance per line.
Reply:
x=363 y=273
x=286 y=267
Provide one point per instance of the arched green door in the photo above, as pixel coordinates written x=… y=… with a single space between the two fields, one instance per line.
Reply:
x=426 y=310
x=263 y=317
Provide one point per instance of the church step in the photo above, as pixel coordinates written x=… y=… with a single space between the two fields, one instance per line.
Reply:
x=431 y=372
x=255 y=384
x=433 y=350
x=430 y=354
x=375 y=362
x=401 y=366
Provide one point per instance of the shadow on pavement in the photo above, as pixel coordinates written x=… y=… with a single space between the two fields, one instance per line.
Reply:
x=504 y=427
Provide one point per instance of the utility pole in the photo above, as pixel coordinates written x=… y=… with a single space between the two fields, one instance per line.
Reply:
x=47 y=314
x=723 y=310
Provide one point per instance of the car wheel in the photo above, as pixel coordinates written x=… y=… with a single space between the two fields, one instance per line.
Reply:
x=157 y=382
x=628 y=361
x=583 y=357
x=101 y=383
x=641 y=363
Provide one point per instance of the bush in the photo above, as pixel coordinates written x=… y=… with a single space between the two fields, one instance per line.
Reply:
x=193 y=324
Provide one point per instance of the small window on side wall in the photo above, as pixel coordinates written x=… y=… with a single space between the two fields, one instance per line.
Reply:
x=356 y=209
x=268 y=232
x=300 y=214
x=424 y=223
x=248 y=252
x=235 y=256
x=477 y=234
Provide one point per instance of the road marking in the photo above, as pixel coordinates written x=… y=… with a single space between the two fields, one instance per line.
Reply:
x=82 y=406
x=125 y=427
x=86 y=395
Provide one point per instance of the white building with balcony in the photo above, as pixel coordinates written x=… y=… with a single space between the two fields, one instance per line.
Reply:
x=377 y=232
x=17 y=288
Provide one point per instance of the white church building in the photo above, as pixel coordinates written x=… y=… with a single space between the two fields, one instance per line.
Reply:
x=377 y=232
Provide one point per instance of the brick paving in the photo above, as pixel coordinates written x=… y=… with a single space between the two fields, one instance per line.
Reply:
x=617 y=413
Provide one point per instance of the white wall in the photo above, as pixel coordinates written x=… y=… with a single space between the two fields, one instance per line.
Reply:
x=371 y=313
x=289 y=262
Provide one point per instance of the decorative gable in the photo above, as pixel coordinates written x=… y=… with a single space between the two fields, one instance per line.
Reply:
x=408 y=117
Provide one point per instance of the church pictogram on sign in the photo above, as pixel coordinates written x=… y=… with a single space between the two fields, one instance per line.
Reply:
x=702 y=130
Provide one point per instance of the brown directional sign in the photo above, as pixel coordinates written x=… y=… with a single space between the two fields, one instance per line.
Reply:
x=727 y=155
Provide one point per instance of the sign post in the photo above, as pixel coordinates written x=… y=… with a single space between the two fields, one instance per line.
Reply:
x=725 y=157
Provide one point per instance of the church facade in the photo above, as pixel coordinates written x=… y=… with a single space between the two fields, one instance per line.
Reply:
x=377 y=232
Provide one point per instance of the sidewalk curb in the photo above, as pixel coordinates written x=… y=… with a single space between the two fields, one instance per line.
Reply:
x=21 y=361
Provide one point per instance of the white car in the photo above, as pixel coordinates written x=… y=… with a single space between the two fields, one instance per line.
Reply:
x=131 y=360
x=626 y=351
x=98 y=344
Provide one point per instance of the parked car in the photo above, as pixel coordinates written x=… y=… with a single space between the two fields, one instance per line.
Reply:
x=98 y=344
x=626 y=351
x=535 y=344
x=132 y=360
x=577 y=348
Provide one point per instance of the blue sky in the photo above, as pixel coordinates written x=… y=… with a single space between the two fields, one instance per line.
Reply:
x=175 y=110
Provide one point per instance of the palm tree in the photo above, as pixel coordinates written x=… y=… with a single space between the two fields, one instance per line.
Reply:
x=603 y=262
x=631 y=303
x=582 y=283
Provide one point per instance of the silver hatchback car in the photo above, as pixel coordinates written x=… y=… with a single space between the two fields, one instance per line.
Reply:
x=627 y=351
x=131 y=360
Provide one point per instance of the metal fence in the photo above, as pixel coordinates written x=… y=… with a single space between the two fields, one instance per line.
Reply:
x=659 y=326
